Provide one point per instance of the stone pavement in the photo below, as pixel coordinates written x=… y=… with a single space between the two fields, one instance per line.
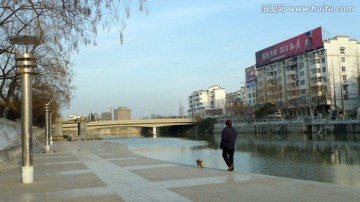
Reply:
x=101 y=171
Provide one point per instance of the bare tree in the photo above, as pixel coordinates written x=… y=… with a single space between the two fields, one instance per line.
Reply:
x=61 y=26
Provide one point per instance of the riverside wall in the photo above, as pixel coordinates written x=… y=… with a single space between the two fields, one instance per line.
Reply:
x=288 y=127
x=249 y=127
x=10 y=140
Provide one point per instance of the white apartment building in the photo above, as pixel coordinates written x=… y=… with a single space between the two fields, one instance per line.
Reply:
x=343 y=64
x=210 y=102
x=235 y=104
x=251 y=95
x=250 y=90
x=318 y=82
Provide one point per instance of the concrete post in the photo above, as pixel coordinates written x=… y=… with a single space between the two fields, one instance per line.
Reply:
x=59 y=127
x=154 y=130
x=50 y=130
x=83 y=128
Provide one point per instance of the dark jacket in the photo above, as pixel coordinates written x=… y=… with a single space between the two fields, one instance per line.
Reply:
x=228 y=137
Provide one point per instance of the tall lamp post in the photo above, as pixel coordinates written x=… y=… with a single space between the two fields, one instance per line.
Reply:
x=50 y=130
x=48 y=138
x=26 y=68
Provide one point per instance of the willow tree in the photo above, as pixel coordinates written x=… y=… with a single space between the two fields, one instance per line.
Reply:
x=61 y=25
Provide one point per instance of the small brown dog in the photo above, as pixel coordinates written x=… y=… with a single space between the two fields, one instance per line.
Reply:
x=200 y=163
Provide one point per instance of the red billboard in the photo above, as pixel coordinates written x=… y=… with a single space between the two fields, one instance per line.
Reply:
x=302 y=43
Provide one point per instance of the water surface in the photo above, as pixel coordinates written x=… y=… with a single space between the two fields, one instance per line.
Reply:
x=323 y=159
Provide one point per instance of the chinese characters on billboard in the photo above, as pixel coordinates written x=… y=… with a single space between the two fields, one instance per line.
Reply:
x=302 y=43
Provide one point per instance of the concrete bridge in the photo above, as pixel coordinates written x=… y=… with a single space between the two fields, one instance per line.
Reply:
x=81 y=126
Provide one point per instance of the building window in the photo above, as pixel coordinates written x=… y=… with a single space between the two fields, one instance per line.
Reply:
x=324 y=69
x=317 y=61
x=342 y=59
x=301 y=65
x=344 y=77
x=322 y=60
x=343 y=68
x=342 y=50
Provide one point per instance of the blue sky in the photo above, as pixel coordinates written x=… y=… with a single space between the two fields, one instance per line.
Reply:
x=184 y=45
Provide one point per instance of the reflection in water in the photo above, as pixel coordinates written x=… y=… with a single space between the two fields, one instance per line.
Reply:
x=318 y=158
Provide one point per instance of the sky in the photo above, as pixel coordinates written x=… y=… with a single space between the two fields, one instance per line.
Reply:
x=182 y=46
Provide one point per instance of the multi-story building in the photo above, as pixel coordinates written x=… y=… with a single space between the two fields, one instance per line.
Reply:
x=306 y=76
x=250 y=91
x=235 y=104
x=343 y=64
x=210 y=102
x=106 y=116
x=122 y=113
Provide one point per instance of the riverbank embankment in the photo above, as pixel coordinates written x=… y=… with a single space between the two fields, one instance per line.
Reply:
x=10 y=140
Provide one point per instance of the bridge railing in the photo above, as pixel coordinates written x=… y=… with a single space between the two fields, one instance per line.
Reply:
x=308 y=121
x=142 y=121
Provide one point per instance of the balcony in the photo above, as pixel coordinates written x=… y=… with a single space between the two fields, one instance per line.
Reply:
x=290 y=72
x=321 y=83
x=290 y=81
x=315 y=75
x=292 y=97
x=291 y=87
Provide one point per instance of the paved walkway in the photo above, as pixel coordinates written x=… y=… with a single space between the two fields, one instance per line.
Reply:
x=98 y=171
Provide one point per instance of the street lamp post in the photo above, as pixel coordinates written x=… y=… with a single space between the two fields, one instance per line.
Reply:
x=26 y=68
x=50 y=129
x=48 y=137
x=47 y=126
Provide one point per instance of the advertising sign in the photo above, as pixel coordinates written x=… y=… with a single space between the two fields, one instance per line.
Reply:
x=250 y=84
x=302 y=43
x=250 y=74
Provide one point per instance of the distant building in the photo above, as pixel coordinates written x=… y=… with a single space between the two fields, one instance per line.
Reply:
x=235 y=103
x=106 y=116
x=122 y=113
x=250 y=91
x=306 y=76
x=210 y=102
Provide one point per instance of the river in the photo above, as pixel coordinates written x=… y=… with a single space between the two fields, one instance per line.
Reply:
x=324 y=158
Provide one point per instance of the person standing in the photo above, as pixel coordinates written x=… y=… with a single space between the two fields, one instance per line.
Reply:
x=227 y=144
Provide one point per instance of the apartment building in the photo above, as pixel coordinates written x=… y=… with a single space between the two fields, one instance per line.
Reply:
x=306 y=76
x=122 y=113
x=250 y=90
x=235 y=104
x=106 y=116
x=210 y=102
